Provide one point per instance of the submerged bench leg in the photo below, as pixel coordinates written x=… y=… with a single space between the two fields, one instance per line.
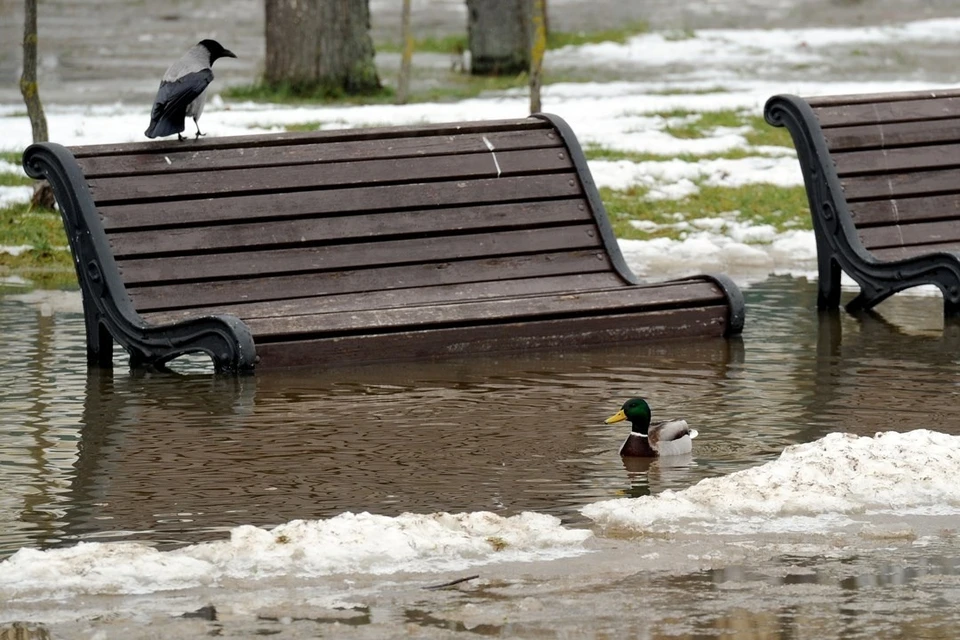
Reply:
x=99 y=345
x=828 y=288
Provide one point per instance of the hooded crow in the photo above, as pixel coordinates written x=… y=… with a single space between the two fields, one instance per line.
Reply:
x=183 y=89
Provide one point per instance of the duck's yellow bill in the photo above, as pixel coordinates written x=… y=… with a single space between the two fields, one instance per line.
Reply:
x=618 y=417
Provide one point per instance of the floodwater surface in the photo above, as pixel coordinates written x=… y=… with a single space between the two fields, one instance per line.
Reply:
x=177 y=459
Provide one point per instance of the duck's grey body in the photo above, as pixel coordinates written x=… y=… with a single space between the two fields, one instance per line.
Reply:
x=183 y=89
x=670 y=438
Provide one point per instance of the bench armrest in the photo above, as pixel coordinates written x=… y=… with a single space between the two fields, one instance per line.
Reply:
x=107 y=306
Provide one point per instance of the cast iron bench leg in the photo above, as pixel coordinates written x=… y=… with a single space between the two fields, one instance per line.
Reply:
x=828 y=289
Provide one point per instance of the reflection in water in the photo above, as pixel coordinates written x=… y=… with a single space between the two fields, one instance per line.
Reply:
x=179 y=458
x=23 y=631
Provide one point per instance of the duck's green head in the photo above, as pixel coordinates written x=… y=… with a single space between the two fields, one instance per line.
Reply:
x=637 y=411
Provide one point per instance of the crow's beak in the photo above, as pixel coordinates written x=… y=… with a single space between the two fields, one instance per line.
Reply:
x=228 y=54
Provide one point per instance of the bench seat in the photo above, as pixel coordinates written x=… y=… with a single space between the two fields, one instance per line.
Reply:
x=882 y=174
x=363 y=245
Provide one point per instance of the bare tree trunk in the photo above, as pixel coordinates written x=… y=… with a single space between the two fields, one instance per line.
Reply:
x=403 y=82
x=42 y=193
x=537 y=52
x=498 y=33
x=292 y=39
x=320 y=47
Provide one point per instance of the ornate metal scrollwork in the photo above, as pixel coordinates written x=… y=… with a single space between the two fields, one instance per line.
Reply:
x=108 y=310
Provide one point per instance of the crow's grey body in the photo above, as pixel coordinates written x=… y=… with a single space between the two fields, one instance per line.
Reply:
x=183 y=90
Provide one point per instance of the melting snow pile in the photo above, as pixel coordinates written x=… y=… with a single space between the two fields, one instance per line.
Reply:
x=808 y=486
x=348 y=543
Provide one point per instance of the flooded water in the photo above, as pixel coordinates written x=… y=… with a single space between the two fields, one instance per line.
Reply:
x=174 y=460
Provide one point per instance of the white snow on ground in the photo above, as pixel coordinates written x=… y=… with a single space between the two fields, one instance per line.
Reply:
x=12 y=195
x=709 y=70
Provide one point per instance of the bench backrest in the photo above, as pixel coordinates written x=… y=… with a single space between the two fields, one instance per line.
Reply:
x=897 y=157
x=390 y=215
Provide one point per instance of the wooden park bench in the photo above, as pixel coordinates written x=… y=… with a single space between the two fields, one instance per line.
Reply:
x=359 y=245
x=882 y=173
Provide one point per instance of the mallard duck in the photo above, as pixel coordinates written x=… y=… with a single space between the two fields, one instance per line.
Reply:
x=668 y=438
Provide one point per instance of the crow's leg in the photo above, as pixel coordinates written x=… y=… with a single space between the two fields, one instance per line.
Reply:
x=180 y=137
x=196 y=122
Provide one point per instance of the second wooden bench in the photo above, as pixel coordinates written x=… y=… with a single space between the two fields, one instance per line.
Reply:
x=882 y=173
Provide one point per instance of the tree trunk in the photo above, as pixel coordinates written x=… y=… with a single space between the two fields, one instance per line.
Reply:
x=499 y=33
x=406 y=61
x=320 y=47
x=537 y=52
x=42 y=193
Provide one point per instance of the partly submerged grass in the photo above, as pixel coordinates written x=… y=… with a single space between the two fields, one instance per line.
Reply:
x=784 y=208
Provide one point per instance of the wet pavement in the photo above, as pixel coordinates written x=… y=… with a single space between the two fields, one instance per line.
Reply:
x=109 y=51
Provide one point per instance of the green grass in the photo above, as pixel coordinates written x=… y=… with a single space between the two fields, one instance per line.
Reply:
x=43 y=230
x=429 y=44
x=14 y=180
x=596 y=152
x=558 y=39
x=784 y=208
x=763 y=134
x=292 y=94
x=702 y=125
x=555 y=39
x=456 y=86
x=13 y=157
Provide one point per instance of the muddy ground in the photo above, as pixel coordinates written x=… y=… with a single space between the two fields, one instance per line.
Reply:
x=108 y=51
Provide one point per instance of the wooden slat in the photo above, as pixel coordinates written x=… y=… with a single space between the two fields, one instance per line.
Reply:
x=901 y=185
x=349 y=227
x=888 y=112
x=892 y=135
x=401 y=297
x=905 y=210
x=897 y=160
x=204 y=294
x=910 y=234
x=865 y=98
x=500 y=310
x=619 y=329
x=335 y=201
x=308 y=137
x=368 y=172
x=170 y=270
x=900 y=253
x=211 y=159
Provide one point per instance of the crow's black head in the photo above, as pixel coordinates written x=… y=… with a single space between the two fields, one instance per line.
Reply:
x=216 y=50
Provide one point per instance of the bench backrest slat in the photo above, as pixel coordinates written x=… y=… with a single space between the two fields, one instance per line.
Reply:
x=401 y=297
x=363 y=255
x=319 y=204
x=283 y=287
x=107 y=166
x=298 y=231
x=197 y=185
